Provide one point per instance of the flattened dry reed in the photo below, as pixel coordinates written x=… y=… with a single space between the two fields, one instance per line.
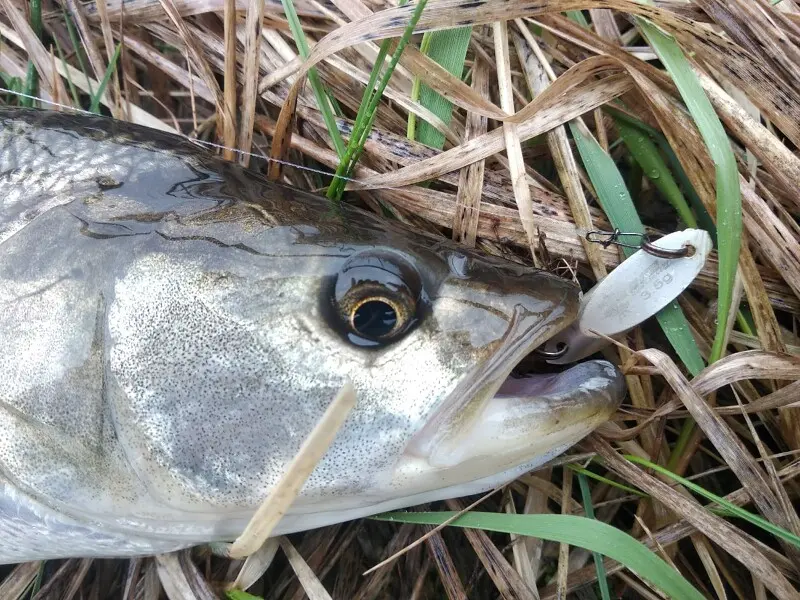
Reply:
x=508 y=180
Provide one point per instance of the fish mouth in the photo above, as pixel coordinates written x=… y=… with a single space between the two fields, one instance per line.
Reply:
x=496 y=422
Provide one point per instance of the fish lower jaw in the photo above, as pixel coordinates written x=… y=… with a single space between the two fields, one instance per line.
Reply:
x=292 y=523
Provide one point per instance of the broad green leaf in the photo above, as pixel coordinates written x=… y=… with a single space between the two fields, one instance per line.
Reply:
x=593 y=535
x=448 y=48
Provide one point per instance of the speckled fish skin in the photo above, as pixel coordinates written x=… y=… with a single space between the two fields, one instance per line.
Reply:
x=167 y=342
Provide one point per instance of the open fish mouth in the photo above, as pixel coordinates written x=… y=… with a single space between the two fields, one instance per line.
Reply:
x=497 y=426
x=524 y=423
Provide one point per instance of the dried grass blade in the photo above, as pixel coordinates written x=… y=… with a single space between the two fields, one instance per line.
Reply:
x=447 y=569
x=16 y=583
x=193 y=47
x=470 y=182
x=516 y=163
x=562 y=573
x=450 y=87
x=311 y=584
x=229 y=90
x=729 y=506
x=779 y=161
x=548 y=115
x=767 y=327
x=179 y=74
x=379 y=574
x=559 y=145
x=87 y=84
x=252 y=54
x=724 y=439
x=88 y=40
x=523 y=563
x=180 y=578
x=256 y=565
x=536 y=502
x=77 y=578
x=507 y=581
x=712 y=526
x=297 y=472
x=23 y=32
x=46 y=590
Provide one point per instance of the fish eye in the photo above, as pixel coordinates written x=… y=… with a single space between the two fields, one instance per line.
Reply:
x=377 y=298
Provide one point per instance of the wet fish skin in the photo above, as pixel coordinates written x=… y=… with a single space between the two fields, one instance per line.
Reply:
x=171 y=330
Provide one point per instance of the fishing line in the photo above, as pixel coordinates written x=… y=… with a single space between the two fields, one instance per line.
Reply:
x=611 y=238
x=196 y=140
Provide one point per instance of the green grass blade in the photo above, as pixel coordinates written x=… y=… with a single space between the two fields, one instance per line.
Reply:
x=241 y=595
x=449 y=49
x=112 y=64
x=14 y=85
x=729 y=507
x=75 y=40
x=320 y=92
x=369 y=110
x=72 y=89
x=646 y=153
x=578 y=17
x=32 y=75
x=602 y=579
x=704 y=220
x=729 y=201
x=591 y=534
x=416 y=86
x=606 y=480
x=618 y=206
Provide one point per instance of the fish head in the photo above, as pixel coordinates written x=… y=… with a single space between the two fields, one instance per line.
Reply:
x=433 y=332
x=427 y=331
x=171 y=340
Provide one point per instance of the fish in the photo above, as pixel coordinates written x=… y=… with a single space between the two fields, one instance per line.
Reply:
x=173 y=326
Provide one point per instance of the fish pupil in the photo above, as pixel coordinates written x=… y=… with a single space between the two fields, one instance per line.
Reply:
x=375 y=319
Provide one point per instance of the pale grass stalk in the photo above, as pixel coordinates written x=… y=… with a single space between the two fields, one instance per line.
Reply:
x=229 y=123
x=255 y=16
x=311 y=584
x=297 y=472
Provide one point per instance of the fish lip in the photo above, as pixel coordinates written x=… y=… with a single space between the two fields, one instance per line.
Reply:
x=478 y=389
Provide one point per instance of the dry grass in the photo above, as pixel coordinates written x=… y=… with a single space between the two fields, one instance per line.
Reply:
x=510 y=182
